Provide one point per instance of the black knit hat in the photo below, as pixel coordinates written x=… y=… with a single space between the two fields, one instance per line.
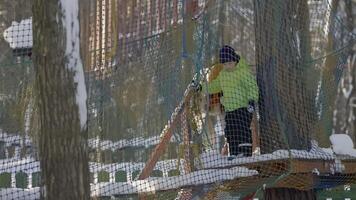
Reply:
x=227 y=54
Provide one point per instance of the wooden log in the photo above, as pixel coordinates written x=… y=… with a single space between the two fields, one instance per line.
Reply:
x=255 y=133
x=166 y=135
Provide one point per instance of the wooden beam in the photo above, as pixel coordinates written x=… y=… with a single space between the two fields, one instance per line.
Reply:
x=255 y=133
x=350 y=166
x=307 y=166
x=167 y=134
x=157 y=152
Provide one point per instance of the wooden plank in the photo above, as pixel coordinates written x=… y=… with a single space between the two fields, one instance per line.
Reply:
x=186 y=141
x=297 y=181
x=307 y=166
x=270 y=168
x=295 y=166
x=350 y=166
x=255 y=133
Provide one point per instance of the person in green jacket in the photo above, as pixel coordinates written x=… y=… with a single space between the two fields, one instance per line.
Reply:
x=239 y=95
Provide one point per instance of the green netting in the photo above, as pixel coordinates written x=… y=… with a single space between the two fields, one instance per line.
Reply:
x=172 y=113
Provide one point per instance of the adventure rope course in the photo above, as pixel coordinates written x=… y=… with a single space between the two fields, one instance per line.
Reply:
x=195 y=99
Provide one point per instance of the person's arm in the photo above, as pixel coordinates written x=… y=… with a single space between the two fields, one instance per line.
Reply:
x=212 y=87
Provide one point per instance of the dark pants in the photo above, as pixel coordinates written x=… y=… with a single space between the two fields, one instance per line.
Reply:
x=238 y=132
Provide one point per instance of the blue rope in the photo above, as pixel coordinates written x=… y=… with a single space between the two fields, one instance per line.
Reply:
x=184 y=47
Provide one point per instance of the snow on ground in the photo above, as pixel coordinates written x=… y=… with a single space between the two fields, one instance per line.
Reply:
x=19 y=35
x=17 y=140
x=342 y=144
x=135 y=142
x=213 y=159
x=20 y=194
x=27 y=165
x=211 y=176
x=156 y=184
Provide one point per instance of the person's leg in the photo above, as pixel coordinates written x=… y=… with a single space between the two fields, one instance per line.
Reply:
x=231 y=124
x=244 y=119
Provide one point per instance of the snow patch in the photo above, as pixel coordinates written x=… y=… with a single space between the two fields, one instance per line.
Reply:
x=17 y=193
x=29 y=165
x=17 y=140
x=70 y=9
x=298 y=42
x=318 y=103
x=156 y=184
x=19 y=35
x=96 y=143
x=342 y=144
x=213 y=159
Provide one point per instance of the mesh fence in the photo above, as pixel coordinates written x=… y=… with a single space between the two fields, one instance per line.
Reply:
x=195 y=99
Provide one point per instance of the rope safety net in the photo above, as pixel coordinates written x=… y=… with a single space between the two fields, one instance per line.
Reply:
x=195 y=98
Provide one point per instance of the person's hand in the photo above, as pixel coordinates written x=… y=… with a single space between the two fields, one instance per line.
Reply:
x=196 y=86
x=251 y=106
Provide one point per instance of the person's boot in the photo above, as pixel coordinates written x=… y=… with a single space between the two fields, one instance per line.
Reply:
x=232 y=157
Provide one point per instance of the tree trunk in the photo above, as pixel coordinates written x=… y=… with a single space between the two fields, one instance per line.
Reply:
x=282 y=51
x=328 y=83
x=62 y=142
x=344 y=104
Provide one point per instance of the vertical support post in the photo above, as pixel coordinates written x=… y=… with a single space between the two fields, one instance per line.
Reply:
x=112 y=177
x=95 y=178
x=129 y=176
x=17 y=151
x=13 y=179
x=255 y=134
x=29 y=180
x=7 y=152
x=186 y=141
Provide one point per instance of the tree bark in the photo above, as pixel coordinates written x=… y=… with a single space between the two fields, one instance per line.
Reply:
x=62 y=141
x=343 y=104
x=328 y=84
x=282 y=54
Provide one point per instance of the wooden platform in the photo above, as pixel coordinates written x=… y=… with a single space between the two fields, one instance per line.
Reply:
x=300 y=174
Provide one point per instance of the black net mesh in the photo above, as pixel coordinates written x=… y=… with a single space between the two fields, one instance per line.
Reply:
x=191 y=99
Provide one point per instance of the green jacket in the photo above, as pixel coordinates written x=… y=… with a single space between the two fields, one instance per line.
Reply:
x=238 y=87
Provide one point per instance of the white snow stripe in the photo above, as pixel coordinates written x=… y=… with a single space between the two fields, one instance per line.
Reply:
x=70 y=10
